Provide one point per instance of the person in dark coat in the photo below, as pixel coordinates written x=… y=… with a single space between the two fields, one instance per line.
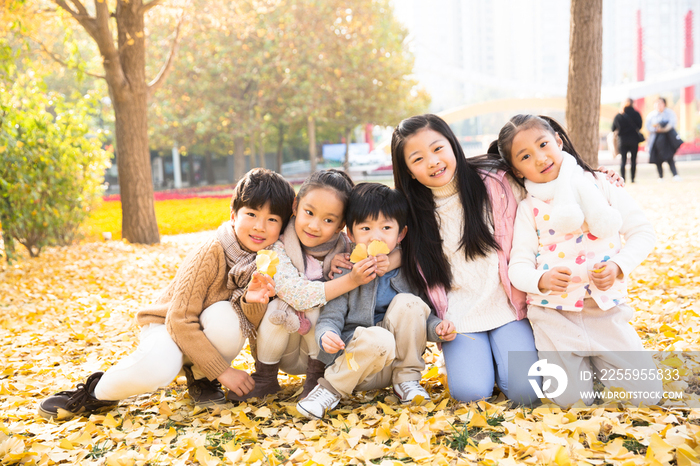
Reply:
x=659 y=122
x=627 y=123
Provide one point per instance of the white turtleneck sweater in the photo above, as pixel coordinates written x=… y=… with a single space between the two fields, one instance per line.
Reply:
x=477 y=301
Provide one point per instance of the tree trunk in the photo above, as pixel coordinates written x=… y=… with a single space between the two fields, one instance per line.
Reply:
x=585 y=77
x=190 y=172
x=346 y=164
x=280 y=147
x=209 y=168
x=312 y=142
x=261 y=151
x=239 y=157
x=129 y=97
x=253 y=151
x=134 y=166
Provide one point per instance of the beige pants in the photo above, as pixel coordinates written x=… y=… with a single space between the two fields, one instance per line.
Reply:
x=598 y=342
x=390 y=352
x=291 y=350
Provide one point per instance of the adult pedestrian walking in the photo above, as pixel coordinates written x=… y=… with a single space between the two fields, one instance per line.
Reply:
x=660 y=122
x=627 y=124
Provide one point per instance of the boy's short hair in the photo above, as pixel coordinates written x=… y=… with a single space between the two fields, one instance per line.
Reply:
x=368 y=200
x=259 y=186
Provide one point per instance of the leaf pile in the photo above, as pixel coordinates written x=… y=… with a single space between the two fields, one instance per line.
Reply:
x=70 y=312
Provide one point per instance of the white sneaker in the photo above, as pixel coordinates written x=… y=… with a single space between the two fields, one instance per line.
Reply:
x=410 y=391
x=315 y=405
x=677 y=178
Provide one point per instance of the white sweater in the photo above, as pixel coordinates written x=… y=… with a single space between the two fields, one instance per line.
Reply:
x=637 y=230
x=477 y=301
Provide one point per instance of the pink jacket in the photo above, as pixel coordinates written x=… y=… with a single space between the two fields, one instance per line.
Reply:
x=504 y=207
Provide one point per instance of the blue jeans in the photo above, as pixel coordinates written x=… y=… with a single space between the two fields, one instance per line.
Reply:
x=474 y=361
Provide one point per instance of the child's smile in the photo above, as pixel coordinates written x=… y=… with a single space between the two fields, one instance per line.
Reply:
x=537 y=155
x=319 y=216
x=429 y=158
x=256 y=229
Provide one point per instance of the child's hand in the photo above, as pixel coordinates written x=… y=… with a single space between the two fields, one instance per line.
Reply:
x=261 y=289
x=556 y=280
x=604 y=279
x=383 y=264
x=612 y=176
x=446 y=330
x=340 y=261
x=332 y=343
x=364 y=271
x=236 y=380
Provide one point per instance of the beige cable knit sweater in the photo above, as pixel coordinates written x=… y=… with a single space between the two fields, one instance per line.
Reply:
x=199 y=282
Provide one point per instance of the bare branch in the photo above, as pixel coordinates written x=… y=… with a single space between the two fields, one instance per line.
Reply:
x=167 y=66
x=81 y=16
x=81 y=8
x=98 y=29
x=58 y=59
x=149 y=5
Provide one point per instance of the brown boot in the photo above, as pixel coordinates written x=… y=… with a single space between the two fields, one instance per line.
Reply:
x=204 y=392
x=265 y=377
x=314 y=371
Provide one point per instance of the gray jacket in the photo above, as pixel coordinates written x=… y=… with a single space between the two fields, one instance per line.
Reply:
x=345 y=313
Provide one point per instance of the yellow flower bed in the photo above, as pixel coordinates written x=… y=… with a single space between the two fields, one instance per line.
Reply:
x=173 y=216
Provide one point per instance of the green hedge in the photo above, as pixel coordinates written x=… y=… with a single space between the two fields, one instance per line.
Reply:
x=51 y=167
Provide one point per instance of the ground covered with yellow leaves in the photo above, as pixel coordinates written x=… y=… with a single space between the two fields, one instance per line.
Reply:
x=70 y=312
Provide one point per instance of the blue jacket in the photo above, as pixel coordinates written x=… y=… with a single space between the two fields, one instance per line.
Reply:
x=345 y=313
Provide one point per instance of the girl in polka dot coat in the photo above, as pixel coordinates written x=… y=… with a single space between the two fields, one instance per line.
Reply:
x=567 y=256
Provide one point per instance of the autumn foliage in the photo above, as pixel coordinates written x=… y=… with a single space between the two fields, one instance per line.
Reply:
x=70 y=312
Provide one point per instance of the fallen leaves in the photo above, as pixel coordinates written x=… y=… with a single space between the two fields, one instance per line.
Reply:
x=70 y=312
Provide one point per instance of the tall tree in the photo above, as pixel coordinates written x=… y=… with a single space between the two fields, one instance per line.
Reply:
x=585 y=77
x=214 y=102
x=124 y=63
x=370 y=68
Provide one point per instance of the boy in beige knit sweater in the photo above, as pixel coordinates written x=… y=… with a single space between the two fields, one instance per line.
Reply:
x=200 y=322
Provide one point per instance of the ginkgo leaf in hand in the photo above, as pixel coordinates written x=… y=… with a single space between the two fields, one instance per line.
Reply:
x=377 y=247
x=266 y=261
x=359 y=253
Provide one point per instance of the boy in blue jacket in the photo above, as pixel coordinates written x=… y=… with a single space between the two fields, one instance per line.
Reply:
x=383 y=326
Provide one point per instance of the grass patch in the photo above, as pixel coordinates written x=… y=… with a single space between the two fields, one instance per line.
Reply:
x=471 y=436
x=635 y=447
x=217 y=440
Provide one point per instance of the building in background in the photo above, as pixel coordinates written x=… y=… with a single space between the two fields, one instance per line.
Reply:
x=471 y=51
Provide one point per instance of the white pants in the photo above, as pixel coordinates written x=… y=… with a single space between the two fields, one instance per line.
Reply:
x=291 y=350
x=158 y=360
x=593 y=341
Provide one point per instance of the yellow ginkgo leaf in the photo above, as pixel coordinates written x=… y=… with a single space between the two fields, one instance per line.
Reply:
x=359 y=253
x=266 y=261
x=352 y=364
x=377 y=247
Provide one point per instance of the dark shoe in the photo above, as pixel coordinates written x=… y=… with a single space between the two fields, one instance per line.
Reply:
x=266 y=383
x=74 y=402
x=314 y=371
x=204 y=392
